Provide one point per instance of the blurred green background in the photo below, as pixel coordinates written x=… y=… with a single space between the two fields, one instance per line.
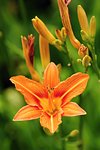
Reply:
x=15 y=20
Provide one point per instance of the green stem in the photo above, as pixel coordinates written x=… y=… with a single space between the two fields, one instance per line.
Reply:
x=63 y=142
x=81 y=123
x=94 y=62
x=69 y=59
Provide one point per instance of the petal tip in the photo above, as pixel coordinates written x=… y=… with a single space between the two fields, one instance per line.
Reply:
x=84 y=112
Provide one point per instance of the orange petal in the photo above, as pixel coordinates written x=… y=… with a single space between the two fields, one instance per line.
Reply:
x=72 y=109
x=32 y=91
x=71 y=87
x=27 y=113
x=51 y=76
x=50 y=122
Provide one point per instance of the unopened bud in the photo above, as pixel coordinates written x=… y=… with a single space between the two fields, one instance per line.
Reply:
x=82 y=17
x=92 y=26
x=74 y=133
x=85 y=36
x=79 y=61
x=44 y=51
x=42 y=29
x=63 y=34
x=28 y=49
x=58 y=44
x=58 y=34
x=83 y=50
x=64 y=12
x=86 y=61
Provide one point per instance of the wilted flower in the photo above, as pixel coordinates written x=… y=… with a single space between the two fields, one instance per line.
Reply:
x=28 y=49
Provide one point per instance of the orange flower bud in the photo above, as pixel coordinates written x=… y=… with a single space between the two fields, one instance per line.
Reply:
x=61 y=34
x=58 y=34
x=92 y=26
x=28 y=49
x=44 y=51
x=82 y=19
x=43 y=30
x=83 y=50
x=64 y=12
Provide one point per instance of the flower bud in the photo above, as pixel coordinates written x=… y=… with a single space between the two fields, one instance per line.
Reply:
x=58 y=34
x=44 y=51
x=92 y=26
x=83 y=50
x=86 y=61
x=74 y=133
x=28 y=49
x=58 y=44
x=79 y=61
x=64 y=12
x=82 y=17
x=85 y=36
x=42 y=29
x=61 y=34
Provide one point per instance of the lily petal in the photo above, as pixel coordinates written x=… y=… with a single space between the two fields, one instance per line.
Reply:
x=50 y=122
x=72 y=109
x=51 y=76
x=27 y=113
x=32 y=91
x=71 y=87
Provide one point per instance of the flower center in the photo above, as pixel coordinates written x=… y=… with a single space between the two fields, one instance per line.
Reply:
x=52 y=104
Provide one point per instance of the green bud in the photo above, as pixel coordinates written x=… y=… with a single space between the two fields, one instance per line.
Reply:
x=85 y=36
x=79 y=61
x=86 y=61
x=74 y=133
x=58 y=44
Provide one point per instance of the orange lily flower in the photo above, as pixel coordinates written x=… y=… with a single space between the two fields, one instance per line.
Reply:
x=50 y=100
